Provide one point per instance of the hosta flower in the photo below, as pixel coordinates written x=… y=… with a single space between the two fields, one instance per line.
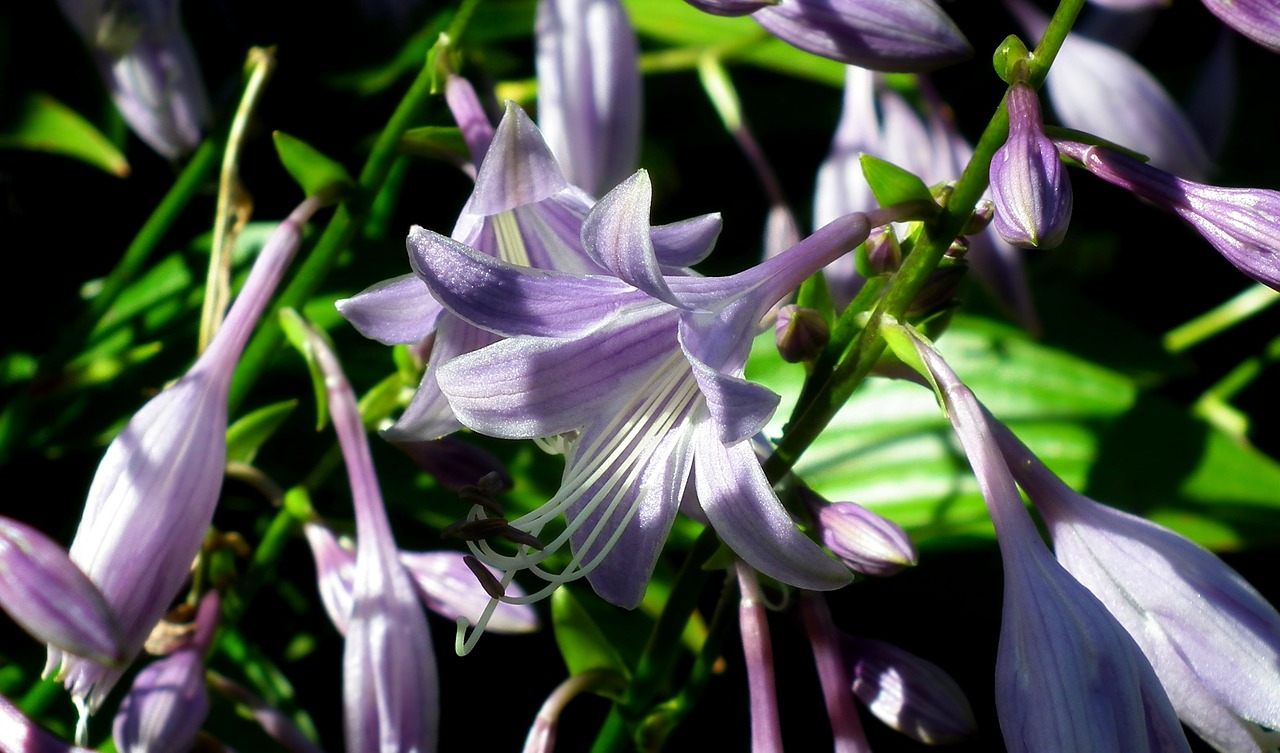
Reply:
x=1029 y=184
x=168 y=702
x=390 y=692
x=866 y=542
x=1258 y=20
x=149 y=68
x=1213 y=639
x=589 y=90
x=45 y=593
x=912 y=695
x=897 y=35
x=18 y=733
x=1243 y=224
x=644 y=370
x=153 y=496
x=1068 y=676
x=524 y=212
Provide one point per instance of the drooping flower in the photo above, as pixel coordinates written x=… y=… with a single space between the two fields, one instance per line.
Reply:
x=152 y=499
x=646 y=368
x=1068 y=676
x=149 y=68
x=391 y=697
x=49 y=597
x=1213 y=640
x=168 y=702
x=1243 y=224
x=910 y=36
x=589 y=90
x=912 y=695
x=1029 y=184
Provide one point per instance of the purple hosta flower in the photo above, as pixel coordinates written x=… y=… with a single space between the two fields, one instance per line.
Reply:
x=644 y=369
x=1243 y=224
x=866 y=542
x=444 y=582
x=1068 y=676
x=1214 y=641
x=1098 y=89
x=153 y=496
x=52 y=599
x=523 y=212
x=168 y=702
x=390 y=690
x=897 y=35
x=20 y=734
x=914 y=696
x=149 y=68
x=589 y=90
x=1029 y=184
x=1258 y=20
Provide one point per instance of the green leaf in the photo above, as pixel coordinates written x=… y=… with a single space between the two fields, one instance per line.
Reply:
x=250 y=432
x=892 y=184
x=582 y=643
x=299 y=333
x=43 y=124
x=312 y=170
x=437 y=142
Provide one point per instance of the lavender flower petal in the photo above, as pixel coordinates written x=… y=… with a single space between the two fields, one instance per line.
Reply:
x=398 y=311
x=866 y=542
x=1029 y=185
x=518 y=169
x=914 y=696
x=1258 y=20
x=449 y=589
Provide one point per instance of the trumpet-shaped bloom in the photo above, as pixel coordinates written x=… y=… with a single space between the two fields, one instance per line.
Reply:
x=1068 y=676
x=589 y=90
x=168 y=702
x=149 y=68
x=390 y=691
x=645 y=370
x=1029 y=184
x=1213 y=640
x=45 y=593
x=1243 y=224
x=153 y=496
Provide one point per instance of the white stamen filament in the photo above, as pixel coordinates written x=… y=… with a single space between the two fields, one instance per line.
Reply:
x=510 y=242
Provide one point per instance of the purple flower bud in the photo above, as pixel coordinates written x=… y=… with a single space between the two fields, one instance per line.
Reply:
x=866 y=542
x=45 y=593
x=20 y=734
x=1243 y=224
x=730 y=8
x=589 y=90
x=800 y=333
x=1029 y=184
x=1213 y=640
x=915 y=697
x=886 y=35
x=335 y=568
x=153 y=496
x=168 y=701
x=1258 y=20
x=148 y=66
x=883 y=253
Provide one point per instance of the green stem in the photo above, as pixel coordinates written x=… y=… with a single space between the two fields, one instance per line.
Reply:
x=1256 y=298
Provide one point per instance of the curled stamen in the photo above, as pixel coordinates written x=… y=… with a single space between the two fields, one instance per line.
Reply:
x=489 y=583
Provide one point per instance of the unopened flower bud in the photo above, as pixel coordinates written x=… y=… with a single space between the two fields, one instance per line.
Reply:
x=730 y=7
x=915 y=697
x=865 y=541
x=983 y=213
x=940 y=288
x=801 y=333
x=1029 y=184
x=882 y=253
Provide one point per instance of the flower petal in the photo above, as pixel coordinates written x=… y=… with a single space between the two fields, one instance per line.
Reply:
x=685 y=243
x=518 y=169
x=739 y=409
x=450 y=589
x=428 y=415
x=393 y=312
x=616 y=235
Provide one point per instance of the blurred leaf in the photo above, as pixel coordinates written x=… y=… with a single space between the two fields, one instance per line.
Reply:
x=44 y=124
x=105 y=362
x=17 y=367
x=438 y=142
x=892 y=184
x=582 y=643
x=312 y=170
x=890 y=448
x=299 y=333
x=251 y=431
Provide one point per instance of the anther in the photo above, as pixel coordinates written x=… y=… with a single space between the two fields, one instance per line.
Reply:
x=489 y=583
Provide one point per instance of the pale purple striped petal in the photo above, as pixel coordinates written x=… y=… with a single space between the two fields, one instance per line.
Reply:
x=687 y=242
x=428 y=415
x=450 y=589
x=1258 y=20
x=398 y=311
x=518 y=169
x=616 y=235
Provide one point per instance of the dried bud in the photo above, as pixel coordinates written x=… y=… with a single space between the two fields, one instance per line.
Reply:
x=801 y=333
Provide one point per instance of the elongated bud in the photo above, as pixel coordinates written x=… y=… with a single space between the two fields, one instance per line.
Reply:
x=800 y=333
x=49 y=597
x=866 y=542
x=1029 y=184
x=916 y=697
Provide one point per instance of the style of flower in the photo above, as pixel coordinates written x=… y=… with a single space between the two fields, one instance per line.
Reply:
x=1243 y=224
x=1213 y=640
x=644 y=370
x=1068 y=675
x=152 y=499
x=1029 y=184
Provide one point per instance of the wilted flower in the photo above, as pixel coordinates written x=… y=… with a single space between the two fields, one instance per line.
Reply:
x=914 y=696
x=589 y=90
x=168 y=702
x=647 y=369
x=1029 y=184
x=1243 y=224
x=49 y=597
x=153 y=496
x=1213 y=640
x=1068 y=676
x=149 y=68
